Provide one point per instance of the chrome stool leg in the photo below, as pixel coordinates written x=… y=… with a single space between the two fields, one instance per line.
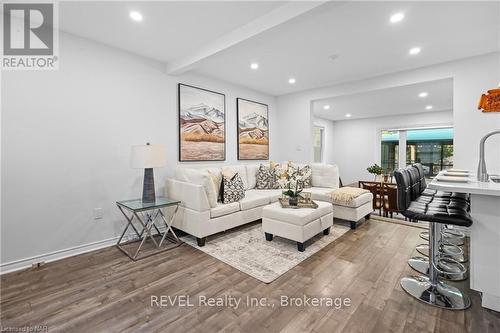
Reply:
x=429 y=289
x=448 y=250
x=448 y=268
x=449 y=236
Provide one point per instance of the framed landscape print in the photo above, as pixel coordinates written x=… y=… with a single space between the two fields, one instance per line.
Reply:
x=253 y=130
x=202 y=133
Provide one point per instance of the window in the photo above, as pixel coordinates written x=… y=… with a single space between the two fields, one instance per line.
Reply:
x=318 y=143
x=432 y=147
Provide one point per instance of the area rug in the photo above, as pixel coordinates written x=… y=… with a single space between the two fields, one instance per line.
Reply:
x=246 y=249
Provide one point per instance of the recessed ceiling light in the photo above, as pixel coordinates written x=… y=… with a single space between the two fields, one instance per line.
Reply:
x=423 y=94
x=398 y=17
x=136 y=16
x=326 y=107
x=291 y=80
x=254 y=65
x=414 y=50
x=428 y=107
x=348 y=115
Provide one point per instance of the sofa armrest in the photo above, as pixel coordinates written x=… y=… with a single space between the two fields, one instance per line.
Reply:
x=191 y=196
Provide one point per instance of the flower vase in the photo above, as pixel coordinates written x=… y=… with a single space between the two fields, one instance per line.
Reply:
x=293 y=201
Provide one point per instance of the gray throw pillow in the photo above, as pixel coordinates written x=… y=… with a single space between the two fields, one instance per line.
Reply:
x=233 y=190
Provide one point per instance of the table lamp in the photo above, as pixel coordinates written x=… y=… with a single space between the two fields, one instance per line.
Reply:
x=148 y=157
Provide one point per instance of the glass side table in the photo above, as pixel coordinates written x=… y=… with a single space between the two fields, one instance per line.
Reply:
x=147 y=216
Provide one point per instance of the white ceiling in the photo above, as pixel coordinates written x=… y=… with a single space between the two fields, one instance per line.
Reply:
x=388 y=102
x=169 y=29
x=290 y=39
x=366 y=43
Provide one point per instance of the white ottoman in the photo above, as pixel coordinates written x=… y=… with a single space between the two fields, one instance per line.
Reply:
x=297 y=224
x=355 y=210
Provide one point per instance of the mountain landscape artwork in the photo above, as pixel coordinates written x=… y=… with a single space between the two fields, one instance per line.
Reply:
x=201 y=124
x=253 y=130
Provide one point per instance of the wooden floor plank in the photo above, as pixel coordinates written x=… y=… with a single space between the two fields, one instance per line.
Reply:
x=103 y=291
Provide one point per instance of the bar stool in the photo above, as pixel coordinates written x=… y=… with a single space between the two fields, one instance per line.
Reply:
x=438 y=211
x=448 y=266
x=446 y=247
x=430 y=289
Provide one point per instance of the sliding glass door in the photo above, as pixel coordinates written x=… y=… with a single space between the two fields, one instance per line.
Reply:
x=432 y=147
x=390 y=151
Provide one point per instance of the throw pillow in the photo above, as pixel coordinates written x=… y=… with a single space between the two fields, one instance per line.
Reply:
x=306 y=173
x=265 y=178
x=282 y=174
x=233 y=189
x=217 y=181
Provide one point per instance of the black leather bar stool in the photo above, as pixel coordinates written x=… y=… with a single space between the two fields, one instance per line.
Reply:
x=449 y=267
x=448 y=236
x=437 y=211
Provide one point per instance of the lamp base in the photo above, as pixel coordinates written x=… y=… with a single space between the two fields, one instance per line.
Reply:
x=148 y=189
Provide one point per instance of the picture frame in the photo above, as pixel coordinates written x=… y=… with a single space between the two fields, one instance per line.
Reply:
x=252 y=130
x=201 y=124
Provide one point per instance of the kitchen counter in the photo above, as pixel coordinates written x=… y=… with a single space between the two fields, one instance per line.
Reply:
x=484 y=260
x=473 y=186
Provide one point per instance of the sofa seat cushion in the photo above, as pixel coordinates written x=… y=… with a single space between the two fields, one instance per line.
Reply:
x=272 y=195
x=254 y=198
x=298 y=217
x=224 y=209
x=320 y=193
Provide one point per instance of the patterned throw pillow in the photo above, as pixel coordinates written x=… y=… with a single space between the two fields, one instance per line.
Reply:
x=233 y=189
x=306 y=173
x=265 y=178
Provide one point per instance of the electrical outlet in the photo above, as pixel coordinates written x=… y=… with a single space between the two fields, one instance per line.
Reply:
x=98 y=213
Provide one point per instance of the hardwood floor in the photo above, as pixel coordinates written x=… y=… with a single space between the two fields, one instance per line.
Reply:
x=104 y=291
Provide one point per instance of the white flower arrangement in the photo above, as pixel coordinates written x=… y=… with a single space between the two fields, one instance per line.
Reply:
x=292 y=181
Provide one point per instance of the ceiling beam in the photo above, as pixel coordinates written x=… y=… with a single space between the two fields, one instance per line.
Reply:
x=273 y=18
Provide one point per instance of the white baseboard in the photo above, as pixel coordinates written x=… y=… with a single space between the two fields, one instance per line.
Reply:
x=17 y=265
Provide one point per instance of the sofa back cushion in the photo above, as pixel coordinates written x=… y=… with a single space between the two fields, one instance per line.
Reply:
x=252 y=170
x=203 y=178
x=325 y=175
x=240 y=169
x=181 y=170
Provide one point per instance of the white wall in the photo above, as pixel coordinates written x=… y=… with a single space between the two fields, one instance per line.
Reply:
x=356 y=143
x=471 y=78
x=327 y=124
x=66 y=138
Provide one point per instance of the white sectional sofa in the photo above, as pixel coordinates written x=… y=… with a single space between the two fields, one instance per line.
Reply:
x=199 y=215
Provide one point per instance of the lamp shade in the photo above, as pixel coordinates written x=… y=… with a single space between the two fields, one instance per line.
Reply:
x=148 y=156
